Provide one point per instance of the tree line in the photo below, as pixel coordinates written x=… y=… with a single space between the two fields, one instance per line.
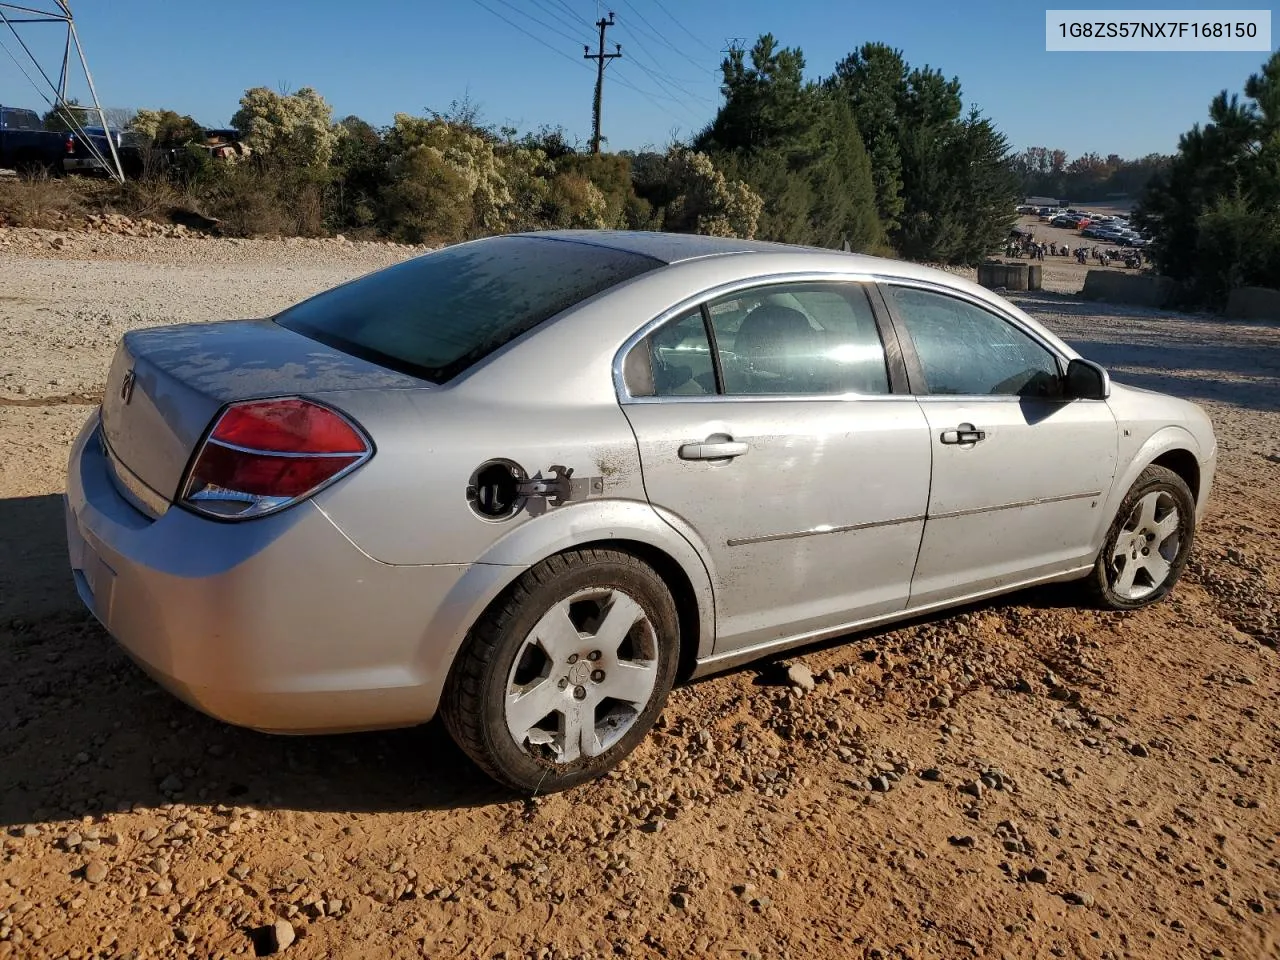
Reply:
x=879 y=156
x=1089 y=178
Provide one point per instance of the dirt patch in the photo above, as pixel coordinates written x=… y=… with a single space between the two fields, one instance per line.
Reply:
x=57 y=400
x=1024 y=778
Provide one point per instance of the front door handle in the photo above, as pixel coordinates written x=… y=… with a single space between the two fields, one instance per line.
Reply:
x=713 y=449
x=965 y=433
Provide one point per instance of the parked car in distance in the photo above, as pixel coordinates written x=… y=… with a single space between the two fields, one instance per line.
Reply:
x=90 y=151
x=26 y=146
x=527 y=482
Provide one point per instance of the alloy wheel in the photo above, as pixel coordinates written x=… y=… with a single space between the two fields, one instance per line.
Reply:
x=1146 y=546
x=582 y=676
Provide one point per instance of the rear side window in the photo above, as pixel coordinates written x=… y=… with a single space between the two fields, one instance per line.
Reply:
x=680 y=355
x=800 y=338
x=436 y=315
x=792 y=339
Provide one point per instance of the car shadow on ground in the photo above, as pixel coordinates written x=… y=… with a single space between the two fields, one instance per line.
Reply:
x=84 y=731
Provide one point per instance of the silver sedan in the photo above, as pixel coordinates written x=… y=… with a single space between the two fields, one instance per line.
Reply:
x=527 y=482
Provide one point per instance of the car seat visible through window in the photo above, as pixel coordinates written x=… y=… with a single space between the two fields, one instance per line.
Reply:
x=776 y=350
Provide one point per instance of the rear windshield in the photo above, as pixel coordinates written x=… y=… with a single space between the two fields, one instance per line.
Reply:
x=436 y=315
x=19 y=120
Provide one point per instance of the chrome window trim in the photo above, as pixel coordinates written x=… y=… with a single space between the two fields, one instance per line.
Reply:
x=1036 y=502
x=771 y=398
x=696 y=302
x=819 y=276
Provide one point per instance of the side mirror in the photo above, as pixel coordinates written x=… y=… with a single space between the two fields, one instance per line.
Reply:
x=1086 y=380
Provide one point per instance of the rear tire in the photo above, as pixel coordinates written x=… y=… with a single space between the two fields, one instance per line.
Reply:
x=1148 y=544
x=565 y=673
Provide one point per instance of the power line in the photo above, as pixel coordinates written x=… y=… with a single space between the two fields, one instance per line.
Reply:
x=654 y=96
x=696 y=39
x=572 y=13
x=560 y=17
x=654 y=62
x=671 y=92
x=532 y=36
x=542 y=23
x=651 y=97
x=657 y=35
x=675 y=84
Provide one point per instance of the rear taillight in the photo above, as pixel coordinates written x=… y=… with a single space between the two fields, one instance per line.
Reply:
x=264 y=455
x=71 y=144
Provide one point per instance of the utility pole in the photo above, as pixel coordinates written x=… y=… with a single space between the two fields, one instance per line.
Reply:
x=601 y=58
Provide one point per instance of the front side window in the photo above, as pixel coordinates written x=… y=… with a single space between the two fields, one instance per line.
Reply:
x=967 y=351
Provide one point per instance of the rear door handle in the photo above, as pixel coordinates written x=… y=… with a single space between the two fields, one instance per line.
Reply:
x=965 y=433
x=713 y=450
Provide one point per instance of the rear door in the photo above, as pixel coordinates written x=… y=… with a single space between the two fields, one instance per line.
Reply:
x=1019 y=474
x=769 y=421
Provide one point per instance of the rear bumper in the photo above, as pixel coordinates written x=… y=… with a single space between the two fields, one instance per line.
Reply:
x=278 y=624
x=81 y=164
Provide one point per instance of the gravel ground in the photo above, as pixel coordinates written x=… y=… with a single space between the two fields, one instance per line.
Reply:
x=1024 y=778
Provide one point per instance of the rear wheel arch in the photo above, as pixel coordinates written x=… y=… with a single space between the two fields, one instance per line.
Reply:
x=682 y=592
x=667 y=544
x=692 y=618
x=484 y=696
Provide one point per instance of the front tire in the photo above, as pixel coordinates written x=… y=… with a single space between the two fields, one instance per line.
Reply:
x=1148 y=544
x=566 y=672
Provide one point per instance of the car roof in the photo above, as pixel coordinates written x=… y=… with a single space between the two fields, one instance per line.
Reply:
x=669 y=247
x=677 y=248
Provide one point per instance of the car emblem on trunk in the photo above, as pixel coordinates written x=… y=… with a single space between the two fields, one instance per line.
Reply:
x=126 y=386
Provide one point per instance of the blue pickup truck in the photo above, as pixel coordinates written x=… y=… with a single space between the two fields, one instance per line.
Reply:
x=26 y=146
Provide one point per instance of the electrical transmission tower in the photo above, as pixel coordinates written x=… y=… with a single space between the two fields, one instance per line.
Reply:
x=36 y=11
x=601 y=58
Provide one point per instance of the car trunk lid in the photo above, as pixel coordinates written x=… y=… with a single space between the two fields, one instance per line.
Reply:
x=166 y=385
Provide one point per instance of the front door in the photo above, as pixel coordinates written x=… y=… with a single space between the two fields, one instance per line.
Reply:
x=767 y=423
x=1019 y=474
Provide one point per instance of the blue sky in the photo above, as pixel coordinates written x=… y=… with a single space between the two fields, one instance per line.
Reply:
x=379 y=57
